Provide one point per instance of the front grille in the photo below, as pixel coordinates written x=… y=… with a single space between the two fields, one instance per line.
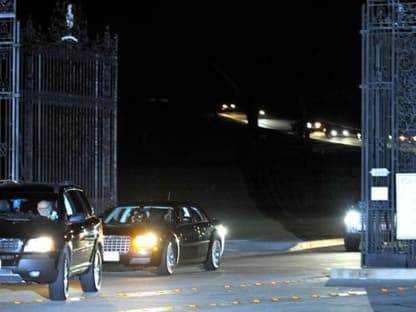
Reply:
x=10 y=245
x=119 y=243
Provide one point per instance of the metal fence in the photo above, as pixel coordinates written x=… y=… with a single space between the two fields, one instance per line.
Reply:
x=9 y=88
x=66 y=122
x=389 y=126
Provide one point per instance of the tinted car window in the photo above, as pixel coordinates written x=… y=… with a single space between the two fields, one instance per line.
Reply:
x=198 y=214
x=79 y=202
x=186 y=215
x=68 y=208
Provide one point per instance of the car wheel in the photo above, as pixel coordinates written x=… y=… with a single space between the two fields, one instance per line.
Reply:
x=168 y=261
x=91 y=280
x=351 y=243
x=214 y=255
x=59 y=290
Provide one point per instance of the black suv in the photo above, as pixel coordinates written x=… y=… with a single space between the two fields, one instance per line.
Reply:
x=50 y=249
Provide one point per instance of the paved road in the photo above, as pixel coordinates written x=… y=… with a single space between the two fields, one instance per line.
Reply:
x=278 y=124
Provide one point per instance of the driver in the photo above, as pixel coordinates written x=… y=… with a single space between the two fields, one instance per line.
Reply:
x=137 y=216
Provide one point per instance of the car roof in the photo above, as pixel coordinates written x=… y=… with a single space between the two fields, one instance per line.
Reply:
x=158 y=203
x=33 y=187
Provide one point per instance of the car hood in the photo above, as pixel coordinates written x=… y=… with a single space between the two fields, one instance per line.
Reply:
x=28 y=227
x=133 y=229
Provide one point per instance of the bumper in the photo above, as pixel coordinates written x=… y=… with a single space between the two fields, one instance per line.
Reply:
x=34 y=268
x=143 y=257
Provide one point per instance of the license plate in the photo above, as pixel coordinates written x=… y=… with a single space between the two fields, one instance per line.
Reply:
x=112 y=256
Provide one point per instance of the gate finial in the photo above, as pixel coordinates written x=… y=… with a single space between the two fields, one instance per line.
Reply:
x=69 y=17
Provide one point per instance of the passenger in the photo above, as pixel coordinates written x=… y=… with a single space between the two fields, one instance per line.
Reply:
x=167 y=217
x=45 y=210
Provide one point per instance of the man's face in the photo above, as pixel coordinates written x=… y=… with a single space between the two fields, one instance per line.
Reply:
x=44 y=209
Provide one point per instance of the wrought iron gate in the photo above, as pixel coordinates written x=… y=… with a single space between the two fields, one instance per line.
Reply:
x=389 y=127
x=9 y=88
x=68 y=107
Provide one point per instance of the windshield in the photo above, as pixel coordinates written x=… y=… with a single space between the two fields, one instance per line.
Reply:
x=135 y=214
x=28 y=206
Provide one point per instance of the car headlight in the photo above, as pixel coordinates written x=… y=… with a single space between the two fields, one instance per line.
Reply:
x=222 y=230
x=41 y=244
x=148 y=240
x=353 y=219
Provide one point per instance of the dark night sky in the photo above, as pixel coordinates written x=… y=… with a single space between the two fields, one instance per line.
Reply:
x=299 y=54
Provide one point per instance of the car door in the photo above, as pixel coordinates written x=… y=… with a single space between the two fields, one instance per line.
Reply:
x=85 y=228
x=188 y=235
x=202 y=227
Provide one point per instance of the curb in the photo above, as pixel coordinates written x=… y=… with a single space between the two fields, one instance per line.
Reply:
x=317 y=244
x=283 y=246
x=373 y=274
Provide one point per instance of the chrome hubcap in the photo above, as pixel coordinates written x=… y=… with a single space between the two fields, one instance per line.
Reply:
x=170 y=257
x=216 y=253
x=97 y=269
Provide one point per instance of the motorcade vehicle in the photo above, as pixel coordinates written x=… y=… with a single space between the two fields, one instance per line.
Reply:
x=303 y=128
x=352 y=229
x=162 y=235
x=51 y=248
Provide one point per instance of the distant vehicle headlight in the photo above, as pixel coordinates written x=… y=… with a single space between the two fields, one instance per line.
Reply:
x=317 y=125
x=333 y=132
x=353 y=219
x=148 y=240
x=40 y=244
x=345 y=132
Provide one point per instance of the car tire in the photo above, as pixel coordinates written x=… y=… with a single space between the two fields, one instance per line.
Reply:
x=351 y=243
x=91 y=280
x=214 y=255
x=59 y=290
x=168 y=260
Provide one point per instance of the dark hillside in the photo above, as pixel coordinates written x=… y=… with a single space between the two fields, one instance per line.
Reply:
x=287 y=178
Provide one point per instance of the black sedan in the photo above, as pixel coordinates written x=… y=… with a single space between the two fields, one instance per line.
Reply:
x=162 y=235
x=49 y=248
